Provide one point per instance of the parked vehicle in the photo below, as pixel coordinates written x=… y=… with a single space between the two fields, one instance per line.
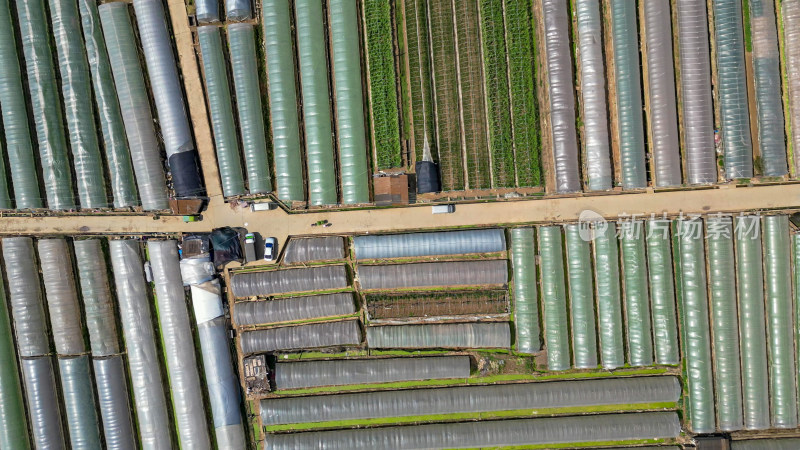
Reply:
x=443 y=209
x=270 y=249
x=250 y=247
x=263 y=206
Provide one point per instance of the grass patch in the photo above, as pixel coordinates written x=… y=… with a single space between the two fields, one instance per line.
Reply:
x=748 y=36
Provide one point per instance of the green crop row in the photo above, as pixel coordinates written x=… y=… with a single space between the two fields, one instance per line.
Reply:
x=383 y=83
x=522 y=57
x=420 y=114
x=496 y=70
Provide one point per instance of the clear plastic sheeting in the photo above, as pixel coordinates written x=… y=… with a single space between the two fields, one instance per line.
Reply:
x=25 y=297
x=695 y=327
x=323 y=248
x=283 y=100
x=98 y=302
x=76 y=90
x=457 y=273
x=346 y=62
x=118 y=157
x=206 y=11
x=215 y=72
x=45 y=104
x=197 y=269
x=342 y=372
x=329 y=334
x=143 y=358
x=637 y=301
x=437 y=243
x=663 y=115
x=593 y=95
x=123 y=54
x=554 y=298
x=555 y=430
x=752 y=322
x=112 y=401
x=630 y=123
x=662 y=292
x=768 y=94
x=695 y=76
x=780 y=329
x=469 y=399
x=526 y=302
x=13 y=429
x=609 y=301
x=238 y=9
x=316 y=102
x=292 y=280
x=766 y=444
x=293 y=309
x=244 y=66
x=448 y=335
x=62 y=297
x=734 y=117
x=168 y=95
x=14 y=109
x=178 y=343
x=790 y=14
x=581 y=298
x=724 y=326
x=562 y=99
x=41 y=395
x=79 y=407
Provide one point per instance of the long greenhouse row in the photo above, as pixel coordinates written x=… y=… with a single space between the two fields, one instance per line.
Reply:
x=53 y=100
x=157 y=409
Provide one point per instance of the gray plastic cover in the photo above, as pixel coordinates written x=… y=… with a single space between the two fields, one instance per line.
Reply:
x=292 y=309
x=14 y=108
x=695 y=326
x=62 y=296
x=42 y=397
x=76 y=91
x=206 y=11
x=291 y=280
x=218 y=91
x=447 y=335
x=134 y=103
x=283 y=100
x=609 y=300
x=178 y=344
x=581 y=298
x=323 y=248
x=637 y=301
x=223 y=382
x=780 y=329
x=766 y=444
x=25 y=297
x=554 y=298
x=197 y=269
x=342 y=372
x=45 y=104
x=662 y=292
x=526 y=302
x=790 y=14
x=329 y=334
x=469 y=399
x=113 y=403
x=457 y=273
x=663 y=116
x=752 y=322
x=143 y=358
x=734 y=117
x=630 y=123
x=562 y=99
x=244 y=66
x=237 y=9
x=118 y=156
x=97 y=300
x=724 y=322
x=695 y=74
x=593 y=95
x=437 y=243
x=555 y=430
x=13 y=424
x=79 y=407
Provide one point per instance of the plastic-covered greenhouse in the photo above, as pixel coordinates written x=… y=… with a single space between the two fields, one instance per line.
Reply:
x=437 y=243
x=554 y=298
x=25 y=297
x=766 y=444
x=329 y=334
x=206 y=11
x=662 y=292
x=457 y=273
x=41 y=393
x=294 y=309
x=790 y=14
x=14 y=430
x=448 y=335
x=305 y=374
x=62 y=297
x=323 y=248
x=581 y=298
x=609 y=301
x=637 y=302
x=291 y=280
x=526 y=303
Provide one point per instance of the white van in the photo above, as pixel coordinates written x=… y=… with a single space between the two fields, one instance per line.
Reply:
x=443 y=209
x=263 y=206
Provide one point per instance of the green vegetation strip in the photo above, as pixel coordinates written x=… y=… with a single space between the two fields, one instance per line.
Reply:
x=383 y=83
x=460 y=417
x=594 y=445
